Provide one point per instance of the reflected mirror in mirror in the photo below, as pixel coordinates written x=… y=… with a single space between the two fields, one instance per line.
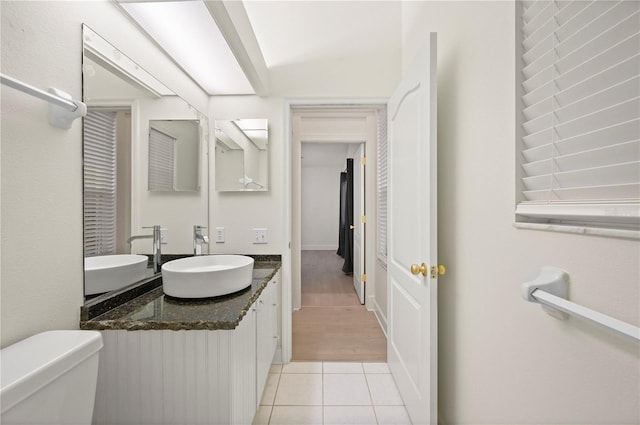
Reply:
x=124 y=104
x=242 y=157
x=174 y=155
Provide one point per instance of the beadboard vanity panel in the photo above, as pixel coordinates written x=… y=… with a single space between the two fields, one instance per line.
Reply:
x=196 y=376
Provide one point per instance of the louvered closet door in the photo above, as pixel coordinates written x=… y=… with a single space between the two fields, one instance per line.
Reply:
x=382 y=184
x=99 y=152
x=581 y=108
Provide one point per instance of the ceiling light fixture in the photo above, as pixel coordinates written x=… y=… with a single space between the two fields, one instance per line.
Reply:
x=188 y=33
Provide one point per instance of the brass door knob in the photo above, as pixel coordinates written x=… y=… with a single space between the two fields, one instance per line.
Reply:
x=351 y=226
x=416 y=269
x=442 y=270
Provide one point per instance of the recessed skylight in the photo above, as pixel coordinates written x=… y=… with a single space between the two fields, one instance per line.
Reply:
x=187 y=32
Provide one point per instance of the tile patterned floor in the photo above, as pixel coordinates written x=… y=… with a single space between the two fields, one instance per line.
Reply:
x=328 y=393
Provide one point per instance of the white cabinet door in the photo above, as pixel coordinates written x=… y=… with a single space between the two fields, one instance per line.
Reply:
x=412 y=343
x=266 y=335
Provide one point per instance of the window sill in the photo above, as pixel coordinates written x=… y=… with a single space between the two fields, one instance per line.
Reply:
x=581 y=230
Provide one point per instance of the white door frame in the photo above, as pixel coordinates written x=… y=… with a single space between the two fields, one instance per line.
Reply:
x=287 y=287
x=359 y=226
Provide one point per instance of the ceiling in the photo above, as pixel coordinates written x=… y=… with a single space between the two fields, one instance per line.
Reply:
x=291 y=32
x=282 y=32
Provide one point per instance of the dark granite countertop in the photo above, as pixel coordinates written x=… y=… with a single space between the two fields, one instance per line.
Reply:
x=155 y=311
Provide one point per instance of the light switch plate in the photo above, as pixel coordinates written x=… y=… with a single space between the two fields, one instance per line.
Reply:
x=219 y=234
x=260 y=236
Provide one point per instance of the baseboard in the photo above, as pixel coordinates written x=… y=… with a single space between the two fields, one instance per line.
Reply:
x=319 y=247
x=382 y=320
x=441 y=419
x=277 y=357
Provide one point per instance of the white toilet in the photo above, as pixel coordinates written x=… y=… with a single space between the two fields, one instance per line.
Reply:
x=50 y=378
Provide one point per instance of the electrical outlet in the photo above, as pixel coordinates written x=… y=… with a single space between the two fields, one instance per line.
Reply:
x=163 y=236
x=219 y=234
x=260 y=236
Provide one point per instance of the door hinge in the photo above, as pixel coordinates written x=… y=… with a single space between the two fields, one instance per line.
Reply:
x=364 y=218
x=363 y=277
x=363 y=160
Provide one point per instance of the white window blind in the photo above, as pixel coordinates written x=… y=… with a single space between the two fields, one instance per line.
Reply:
x=99 y=153
x=580 y=150
x=382 y=185
x=161 y=160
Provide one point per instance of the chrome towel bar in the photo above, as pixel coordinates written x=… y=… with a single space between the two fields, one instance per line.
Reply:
x=63 y=110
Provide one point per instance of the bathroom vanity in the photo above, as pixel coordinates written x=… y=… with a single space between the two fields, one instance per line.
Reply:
x=168 y=360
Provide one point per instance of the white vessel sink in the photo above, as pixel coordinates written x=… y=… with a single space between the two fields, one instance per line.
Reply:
x=105 y=273
x=206 y=276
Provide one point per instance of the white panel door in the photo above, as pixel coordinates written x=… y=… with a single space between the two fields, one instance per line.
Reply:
x=358 y=225
x=412 y=258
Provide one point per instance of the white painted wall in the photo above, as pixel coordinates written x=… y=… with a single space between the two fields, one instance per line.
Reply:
x=503 y=360
x=320 y=209
x=41 y=264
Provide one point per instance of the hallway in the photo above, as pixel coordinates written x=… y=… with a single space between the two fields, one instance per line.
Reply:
x=332 y=325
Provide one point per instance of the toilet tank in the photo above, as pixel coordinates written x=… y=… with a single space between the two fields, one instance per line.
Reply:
x=50 y=378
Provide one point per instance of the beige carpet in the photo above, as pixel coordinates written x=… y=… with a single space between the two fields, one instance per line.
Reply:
x=332 y=325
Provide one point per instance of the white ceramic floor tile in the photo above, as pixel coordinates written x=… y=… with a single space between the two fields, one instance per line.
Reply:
x=299 y=389
x=275 y=368
x=376 y=368
x=345 y=390
x=392 y=415
x=349 y=415
x=269 y=394
x=262 y=415
x=383 y=390
x=296 y=415
x=302 y=367
x=337 y=367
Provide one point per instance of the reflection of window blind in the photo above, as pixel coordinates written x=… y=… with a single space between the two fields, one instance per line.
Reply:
x=161 y=160
x=99 y=183
x=382 y=185
x=580 y=150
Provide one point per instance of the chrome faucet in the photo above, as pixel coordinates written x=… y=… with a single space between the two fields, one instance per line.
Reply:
x=198 y=239
x=157 y=252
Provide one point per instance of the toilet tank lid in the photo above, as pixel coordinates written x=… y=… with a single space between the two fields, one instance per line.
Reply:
x=32 y=363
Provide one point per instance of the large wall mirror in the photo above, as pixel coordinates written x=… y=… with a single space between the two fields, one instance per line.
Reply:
x=145 y=164
x=242 y=157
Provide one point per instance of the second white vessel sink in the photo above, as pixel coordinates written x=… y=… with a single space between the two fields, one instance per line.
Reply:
x=207 y=275
x=108 y=272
